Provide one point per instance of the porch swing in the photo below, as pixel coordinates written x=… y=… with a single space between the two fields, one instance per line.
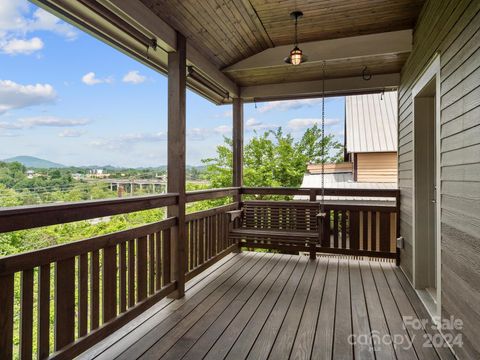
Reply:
x=288 y=226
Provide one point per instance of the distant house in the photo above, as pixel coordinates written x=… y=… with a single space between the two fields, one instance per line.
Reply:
x=30 y=174
x=97 y=174
x=370 y=147
x=371 y=136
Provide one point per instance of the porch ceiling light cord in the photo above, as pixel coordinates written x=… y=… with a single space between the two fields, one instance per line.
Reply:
x=296 y=56
x=322 y=216
x=322 y=206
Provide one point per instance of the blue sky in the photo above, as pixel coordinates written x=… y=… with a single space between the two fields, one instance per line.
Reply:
x=67 y=97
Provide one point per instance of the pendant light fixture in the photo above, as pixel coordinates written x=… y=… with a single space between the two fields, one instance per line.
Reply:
x=296 y=56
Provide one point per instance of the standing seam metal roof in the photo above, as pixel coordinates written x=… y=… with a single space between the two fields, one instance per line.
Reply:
x=371 y=122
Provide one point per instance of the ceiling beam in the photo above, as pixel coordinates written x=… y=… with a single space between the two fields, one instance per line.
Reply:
x=166 y=36
x=394 y=42
x=333 y=87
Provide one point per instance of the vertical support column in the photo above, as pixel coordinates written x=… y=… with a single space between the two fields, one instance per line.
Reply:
x=238 y=144
x=237 y=165
x=176 y=158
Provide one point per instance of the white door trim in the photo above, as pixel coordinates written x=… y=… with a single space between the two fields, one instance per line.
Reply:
x=432 y=71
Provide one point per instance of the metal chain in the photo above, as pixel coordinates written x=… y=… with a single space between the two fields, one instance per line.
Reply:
x=323 y=138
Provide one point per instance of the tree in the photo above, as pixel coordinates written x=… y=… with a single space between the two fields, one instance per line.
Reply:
x=273 y=158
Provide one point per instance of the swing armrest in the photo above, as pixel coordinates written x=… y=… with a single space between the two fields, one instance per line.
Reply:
x=320 y=217
x=234 y=214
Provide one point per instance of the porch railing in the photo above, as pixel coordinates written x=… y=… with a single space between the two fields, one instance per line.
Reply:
x=362 y=222
x=94 y=286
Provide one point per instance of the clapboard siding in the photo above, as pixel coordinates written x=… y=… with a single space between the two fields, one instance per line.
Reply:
x=453 y=29
x=376 y=167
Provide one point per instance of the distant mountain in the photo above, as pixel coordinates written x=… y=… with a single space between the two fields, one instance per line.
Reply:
x=34 y=162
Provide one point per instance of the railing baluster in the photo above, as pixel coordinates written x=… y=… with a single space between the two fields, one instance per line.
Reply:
x=123 y=277
x=166 y=257
x=326 y=230
x=109 y=283
x=373 y=238
x=151 y=264
x=6 y=316
x=158 y=260
x=190 y=241
x=335 y=229
x=43 y=312
x=64 y=303
x=94 y=290
x=344 y=229
x=131 y=273
x=365 y=230
x=354 y=230
x=83 y=295
x=201 y=240
x=141 y=268
x=26 y=312
x=385 y=231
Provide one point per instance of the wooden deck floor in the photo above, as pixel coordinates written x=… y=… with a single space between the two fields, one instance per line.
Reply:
x=259 y=306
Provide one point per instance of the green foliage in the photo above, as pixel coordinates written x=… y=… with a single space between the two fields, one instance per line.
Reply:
x=273 y=158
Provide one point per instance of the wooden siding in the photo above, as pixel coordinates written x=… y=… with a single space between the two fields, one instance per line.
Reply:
x=376 y=167
x=330 y=168
x=452 y=28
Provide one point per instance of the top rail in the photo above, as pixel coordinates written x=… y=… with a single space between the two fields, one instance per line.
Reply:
x=317 y=191
x=27 y=217
x=199 y=195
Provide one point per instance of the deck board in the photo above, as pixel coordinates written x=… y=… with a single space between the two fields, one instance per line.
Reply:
x=273 y=306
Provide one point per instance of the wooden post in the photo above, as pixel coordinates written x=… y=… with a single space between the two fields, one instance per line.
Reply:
x=237 y=142
x=176 y=159
x=238 y=148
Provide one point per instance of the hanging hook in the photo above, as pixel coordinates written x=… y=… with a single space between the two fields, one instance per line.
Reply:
x=366 y=74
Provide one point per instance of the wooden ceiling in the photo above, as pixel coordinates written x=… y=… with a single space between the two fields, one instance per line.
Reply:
x=229 y=31
x=332 y=19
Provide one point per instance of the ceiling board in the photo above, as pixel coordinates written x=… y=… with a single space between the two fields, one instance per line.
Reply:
x=385 y=64
x=329 y=19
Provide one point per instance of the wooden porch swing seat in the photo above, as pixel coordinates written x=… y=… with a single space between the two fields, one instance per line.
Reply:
x=289 y=225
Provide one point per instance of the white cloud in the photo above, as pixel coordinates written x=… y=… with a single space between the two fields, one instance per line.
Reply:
x=288 y=104
x=198 y=134
x=49 y=121
x=302 y=123
x=130 y=139
x=16 y=22
x=223 y=129
x=254 y=124
x=44 y=21
x=91 y=79
x=20 y=46
x=225 y=114
x=8 y=134
x=71 y=133
x=17 y=96
x=134 y=77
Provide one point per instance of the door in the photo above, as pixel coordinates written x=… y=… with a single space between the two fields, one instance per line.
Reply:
x=426 y=190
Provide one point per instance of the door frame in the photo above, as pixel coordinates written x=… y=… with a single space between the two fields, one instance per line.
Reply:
x=431 y=72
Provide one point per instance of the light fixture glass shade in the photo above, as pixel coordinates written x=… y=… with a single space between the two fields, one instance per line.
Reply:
x=296 y=56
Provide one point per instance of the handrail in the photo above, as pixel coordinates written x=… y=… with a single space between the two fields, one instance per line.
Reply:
x=317 y=191
x=27 y=217
x=210 y=194
x=47 y=255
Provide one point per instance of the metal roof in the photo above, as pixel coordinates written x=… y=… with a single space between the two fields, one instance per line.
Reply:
x=345 y=181
x=371 y=122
